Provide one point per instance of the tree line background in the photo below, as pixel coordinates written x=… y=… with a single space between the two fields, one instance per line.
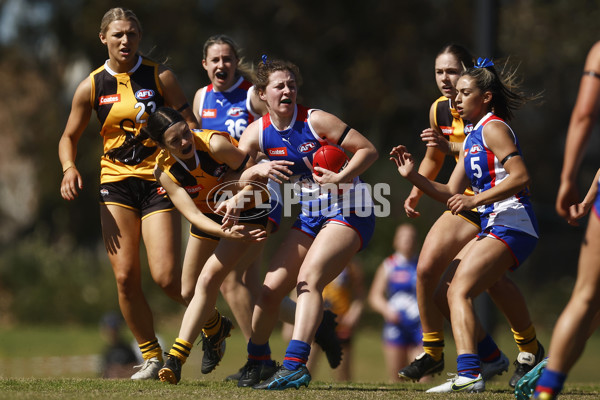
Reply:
x=370 y=63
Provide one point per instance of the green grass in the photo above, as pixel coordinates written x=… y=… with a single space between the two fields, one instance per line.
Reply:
x=54 y=363
x=64 y=389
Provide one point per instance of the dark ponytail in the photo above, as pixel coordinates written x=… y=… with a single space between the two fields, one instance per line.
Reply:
x=505 y=87
x=158 y=122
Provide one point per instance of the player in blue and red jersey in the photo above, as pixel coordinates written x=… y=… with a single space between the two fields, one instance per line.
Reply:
x=330 y=229
x=492 y=164
x=393 y=295
x=449 y=234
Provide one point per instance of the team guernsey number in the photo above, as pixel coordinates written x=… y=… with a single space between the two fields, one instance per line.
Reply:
x=151 y=105
x=235 y=127
x=477 y=173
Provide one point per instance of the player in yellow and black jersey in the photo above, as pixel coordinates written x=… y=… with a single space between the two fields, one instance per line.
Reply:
x=122 y=102
x=123 y=92
x=192 y=164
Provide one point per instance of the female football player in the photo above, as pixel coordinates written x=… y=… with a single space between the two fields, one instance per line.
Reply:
x=123 y=92
x=492 y=164
x=327 y=233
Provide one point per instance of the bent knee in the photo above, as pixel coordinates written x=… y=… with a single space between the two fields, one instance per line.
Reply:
x=187 y=294
x=270 y=299
x=456 y=293
x=430 y=270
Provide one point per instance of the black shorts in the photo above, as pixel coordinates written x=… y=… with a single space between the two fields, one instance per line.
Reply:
x=146 y=197
x=261 y=219
x=471 y=216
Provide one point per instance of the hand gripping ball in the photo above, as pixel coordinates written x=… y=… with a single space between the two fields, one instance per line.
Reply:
x=330 y=157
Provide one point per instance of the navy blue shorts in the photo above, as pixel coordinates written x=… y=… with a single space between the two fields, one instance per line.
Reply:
x=519 y=243
x=364 y=226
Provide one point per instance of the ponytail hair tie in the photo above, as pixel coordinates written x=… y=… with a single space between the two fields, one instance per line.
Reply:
x=483 y=63
x=264 y=59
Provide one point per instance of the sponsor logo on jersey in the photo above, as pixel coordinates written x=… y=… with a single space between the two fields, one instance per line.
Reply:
x=307 y=147
x=447 y=130
x=235 y=111
x=278 y=151
x=144 y=94
x=161 y=191
x=210 y=113
x=475 y=149
x=112 y=98
x=194 y=189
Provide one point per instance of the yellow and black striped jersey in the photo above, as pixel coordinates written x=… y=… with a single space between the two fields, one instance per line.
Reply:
x=123 y=102
x=451 y=125
x=449 y=121
x=198 y=182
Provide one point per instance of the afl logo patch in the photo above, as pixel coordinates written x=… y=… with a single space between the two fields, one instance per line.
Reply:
x=476 y=149
x=235 y=111
x=161 y=191
x=103 y=192
x=307 y=147
x=144 y=94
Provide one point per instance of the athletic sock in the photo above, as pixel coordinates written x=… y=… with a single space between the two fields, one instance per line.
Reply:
x=550 y=382
x=296 y=354
x=151 y=349
x=527 y=340
x=212 y=326
x=181 y=349
x=468 y=365
x=488 y=350
x=433 y=344
x=259 y=352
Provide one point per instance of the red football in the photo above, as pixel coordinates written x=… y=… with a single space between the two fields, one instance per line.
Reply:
x=330 y=157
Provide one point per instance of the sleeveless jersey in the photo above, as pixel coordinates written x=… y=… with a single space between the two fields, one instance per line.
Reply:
x=402 y=287
x=199 y=181
x=451 y=125
x=229 y=110
x=485 y=171
x=298 y=143
x=123 y=102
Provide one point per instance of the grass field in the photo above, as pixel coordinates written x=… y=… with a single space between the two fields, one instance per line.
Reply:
x=75 y=388
x=61 y=363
